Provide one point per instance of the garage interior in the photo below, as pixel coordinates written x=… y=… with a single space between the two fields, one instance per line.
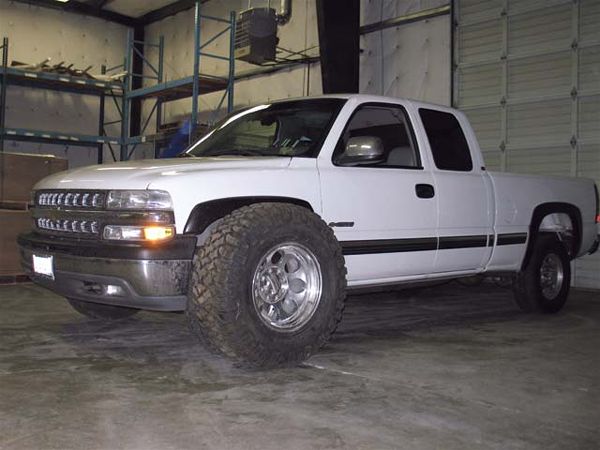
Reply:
x=448 y=365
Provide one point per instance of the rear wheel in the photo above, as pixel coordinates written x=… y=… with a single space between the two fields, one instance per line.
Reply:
x=268 y=285
x=543 y=285
x=99 y=311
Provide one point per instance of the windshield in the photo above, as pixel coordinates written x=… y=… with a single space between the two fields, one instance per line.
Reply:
x=291 y=128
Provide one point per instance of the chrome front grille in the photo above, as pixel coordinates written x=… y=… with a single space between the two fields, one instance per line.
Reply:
x=71 y=199
x=81 y=227
x=75 y=212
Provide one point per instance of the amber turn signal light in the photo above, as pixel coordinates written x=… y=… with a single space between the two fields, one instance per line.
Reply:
x=158 y=233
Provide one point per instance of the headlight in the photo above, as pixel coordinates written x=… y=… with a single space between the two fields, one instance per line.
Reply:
x=138 y=200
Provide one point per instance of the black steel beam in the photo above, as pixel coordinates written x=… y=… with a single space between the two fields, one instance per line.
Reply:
x=453 y=25
x=94 y=9
x=403 y=20
x=169 y=10
x=3 y=83
x=84 y=9
x=339 y=43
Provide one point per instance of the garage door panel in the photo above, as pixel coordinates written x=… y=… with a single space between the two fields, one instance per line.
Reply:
x=589 y=69
x=587 y=270
x=479 y=10
x=589 y=119
x=589 y=20
x=542 y=161
x=479 y=84
x=486 y=124
x=539 y=123
x=588 y=161
x=492 y=159
x=480 y=42
x=540 y=75
x=522 y=6
x=535 y=31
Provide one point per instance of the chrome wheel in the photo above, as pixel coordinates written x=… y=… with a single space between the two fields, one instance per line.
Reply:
x=551 y=276
x=286 y=287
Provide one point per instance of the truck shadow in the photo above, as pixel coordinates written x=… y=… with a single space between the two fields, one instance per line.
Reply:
x=166 y=338
x=393 y=313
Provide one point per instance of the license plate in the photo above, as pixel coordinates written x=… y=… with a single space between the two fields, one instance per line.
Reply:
x=43 y=265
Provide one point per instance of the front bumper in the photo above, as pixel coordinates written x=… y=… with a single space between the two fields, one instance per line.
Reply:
x=145 y=277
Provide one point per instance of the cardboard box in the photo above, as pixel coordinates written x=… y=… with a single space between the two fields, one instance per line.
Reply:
x=12 y=223
x=19 y=172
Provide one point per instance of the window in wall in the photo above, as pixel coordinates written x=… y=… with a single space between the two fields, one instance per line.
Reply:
x=388 y=124
x=447 y=141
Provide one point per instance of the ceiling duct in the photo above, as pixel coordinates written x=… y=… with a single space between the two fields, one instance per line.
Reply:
x=285 y=12
x=256 y=32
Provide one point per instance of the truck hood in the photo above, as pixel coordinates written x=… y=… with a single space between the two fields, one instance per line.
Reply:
x=139 y=174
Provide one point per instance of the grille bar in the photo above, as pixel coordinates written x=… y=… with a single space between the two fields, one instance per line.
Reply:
x=71 y=199
x=88 y=227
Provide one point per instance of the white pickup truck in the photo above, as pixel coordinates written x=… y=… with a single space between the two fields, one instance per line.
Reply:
x=263 y=224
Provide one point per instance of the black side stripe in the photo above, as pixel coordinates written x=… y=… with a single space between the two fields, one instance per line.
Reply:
x=450 y=242
x=367 y=247
x=512 y=238
x=388 y=246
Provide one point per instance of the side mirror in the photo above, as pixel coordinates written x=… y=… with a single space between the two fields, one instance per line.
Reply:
x=362 y=150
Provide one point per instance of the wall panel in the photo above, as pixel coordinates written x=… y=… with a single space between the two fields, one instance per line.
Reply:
x=411 y=60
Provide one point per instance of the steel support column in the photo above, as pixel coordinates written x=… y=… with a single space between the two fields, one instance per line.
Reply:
x=231 y=84
x=3 y=91
x=126 y=101
x=161 y=56
x=100 y=147
x=137 y=70
x=195 y=81
x=339 y=42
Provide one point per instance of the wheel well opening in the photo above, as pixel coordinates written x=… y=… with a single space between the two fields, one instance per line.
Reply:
x=205 y=214
x=560 y=219
x=561 y=225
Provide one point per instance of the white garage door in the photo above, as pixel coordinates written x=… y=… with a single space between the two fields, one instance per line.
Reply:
x=527 y=73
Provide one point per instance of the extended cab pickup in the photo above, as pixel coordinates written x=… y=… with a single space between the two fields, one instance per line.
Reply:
x=260 y=227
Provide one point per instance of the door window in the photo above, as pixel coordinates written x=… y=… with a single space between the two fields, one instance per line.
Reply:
x=447 y=141
x=389 y=129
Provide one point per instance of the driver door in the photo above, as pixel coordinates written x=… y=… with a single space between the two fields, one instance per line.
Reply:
x=384 y=211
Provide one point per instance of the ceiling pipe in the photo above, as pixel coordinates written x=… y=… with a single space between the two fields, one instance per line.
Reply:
x=285 y=12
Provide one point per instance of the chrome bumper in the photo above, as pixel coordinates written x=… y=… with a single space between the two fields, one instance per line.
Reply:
x=135 y=279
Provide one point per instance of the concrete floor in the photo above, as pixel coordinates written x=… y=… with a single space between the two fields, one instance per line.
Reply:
x=445 y=367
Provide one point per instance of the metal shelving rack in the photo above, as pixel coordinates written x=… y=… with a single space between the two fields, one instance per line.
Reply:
x=56 y=82
x=165 y=91
x=122 y=94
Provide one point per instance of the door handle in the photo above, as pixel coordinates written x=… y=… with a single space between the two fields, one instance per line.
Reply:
x=425 y=191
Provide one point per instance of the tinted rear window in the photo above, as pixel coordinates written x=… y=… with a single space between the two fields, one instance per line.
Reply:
x=447 y=141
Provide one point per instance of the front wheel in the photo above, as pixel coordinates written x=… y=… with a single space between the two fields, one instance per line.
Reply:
x=268 y=285
x=99 y=311
x=543 y=285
